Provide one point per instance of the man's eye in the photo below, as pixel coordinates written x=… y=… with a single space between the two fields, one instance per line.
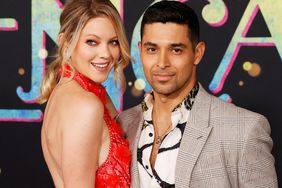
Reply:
x=91 y=42
x=151 y=50
x=177 y=51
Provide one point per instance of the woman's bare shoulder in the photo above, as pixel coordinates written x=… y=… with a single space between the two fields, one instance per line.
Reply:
x=76 y=104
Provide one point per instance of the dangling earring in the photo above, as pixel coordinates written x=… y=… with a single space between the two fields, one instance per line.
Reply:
x=66 y=55
x=119 y=62
x=65 y=52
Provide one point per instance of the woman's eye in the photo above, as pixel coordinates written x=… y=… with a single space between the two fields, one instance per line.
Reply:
x=114 y=42
x=91 y=42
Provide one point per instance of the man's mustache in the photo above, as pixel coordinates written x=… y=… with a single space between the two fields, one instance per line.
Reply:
x=163 y=73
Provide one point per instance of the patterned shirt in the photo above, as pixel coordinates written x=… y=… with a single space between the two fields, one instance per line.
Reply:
x=163 y=174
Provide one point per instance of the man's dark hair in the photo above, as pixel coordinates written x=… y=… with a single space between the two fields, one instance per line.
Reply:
x=173 y=12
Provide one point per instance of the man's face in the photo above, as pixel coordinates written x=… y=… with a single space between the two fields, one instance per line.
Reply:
x=168 y=58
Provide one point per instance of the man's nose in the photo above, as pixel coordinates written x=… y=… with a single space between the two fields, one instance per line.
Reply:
x=163 y=60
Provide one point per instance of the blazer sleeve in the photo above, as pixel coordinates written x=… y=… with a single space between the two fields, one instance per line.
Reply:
x=256 y=164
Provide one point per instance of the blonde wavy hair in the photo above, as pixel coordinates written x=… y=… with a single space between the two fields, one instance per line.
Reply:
x=74 y=17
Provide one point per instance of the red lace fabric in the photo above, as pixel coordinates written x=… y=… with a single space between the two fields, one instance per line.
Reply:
x=115 y=171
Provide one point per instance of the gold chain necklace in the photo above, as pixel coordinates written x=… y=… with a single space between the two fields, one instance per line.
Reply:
x=158 y=138
x=157 y=141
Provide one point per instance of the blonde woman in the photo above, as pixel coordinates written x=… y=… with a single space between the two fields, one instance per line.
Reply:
x=82 y=144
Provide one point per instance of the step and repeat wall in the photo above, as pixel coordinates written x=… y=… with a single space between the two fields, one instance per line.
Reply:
x=242 y=65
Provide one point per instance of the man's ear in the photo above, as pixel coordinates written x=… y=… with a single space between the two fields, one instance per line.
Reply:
x=199 y=52
x=140 y=46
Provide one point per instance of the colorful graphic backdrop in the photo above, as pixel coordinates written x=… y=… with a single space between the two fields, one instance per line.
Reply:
x=242 y=65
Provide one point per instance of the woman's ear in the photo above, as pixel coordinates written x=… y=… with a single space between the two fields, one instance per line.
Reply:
x=199 y=52
x=60 y=38
x=62 y=42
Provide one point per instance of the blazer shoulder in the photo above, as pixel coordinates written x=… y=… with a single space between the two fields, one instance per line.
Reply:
x=230 y=114
x=230 y=108
x=130 y=117
x=131 y=111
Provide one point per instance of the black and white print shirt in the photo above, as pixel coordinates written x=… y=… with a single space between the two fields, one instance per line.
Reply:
x=163 y=174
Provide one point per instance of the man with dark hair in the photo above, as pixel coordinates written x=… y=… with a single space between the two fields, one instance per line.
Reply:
x=181 y=136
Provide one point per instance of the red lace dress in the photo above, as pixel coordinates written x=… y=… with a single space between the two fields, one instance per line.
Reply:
x=115 y=171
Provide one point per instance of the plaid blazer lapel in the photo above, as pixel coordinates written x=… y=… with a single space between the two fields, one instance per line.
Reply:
x=134 y=168
x=194 y=138
x=131 y=121
x=133 y=135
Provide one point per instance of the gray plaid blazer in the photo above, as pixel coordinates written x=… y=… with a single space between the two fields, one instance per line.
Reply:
x=223 y=146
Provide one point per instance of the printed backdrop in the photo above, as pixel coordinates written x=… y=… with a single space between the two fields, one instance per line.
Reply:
x=242 y=65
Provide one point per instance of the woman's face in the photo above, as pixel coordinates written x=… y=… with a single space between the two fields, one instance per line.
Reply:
x=97 y=49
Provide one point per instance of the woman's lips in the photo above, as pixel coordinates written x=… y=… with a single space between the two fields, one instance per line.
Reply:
x=100 y=66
